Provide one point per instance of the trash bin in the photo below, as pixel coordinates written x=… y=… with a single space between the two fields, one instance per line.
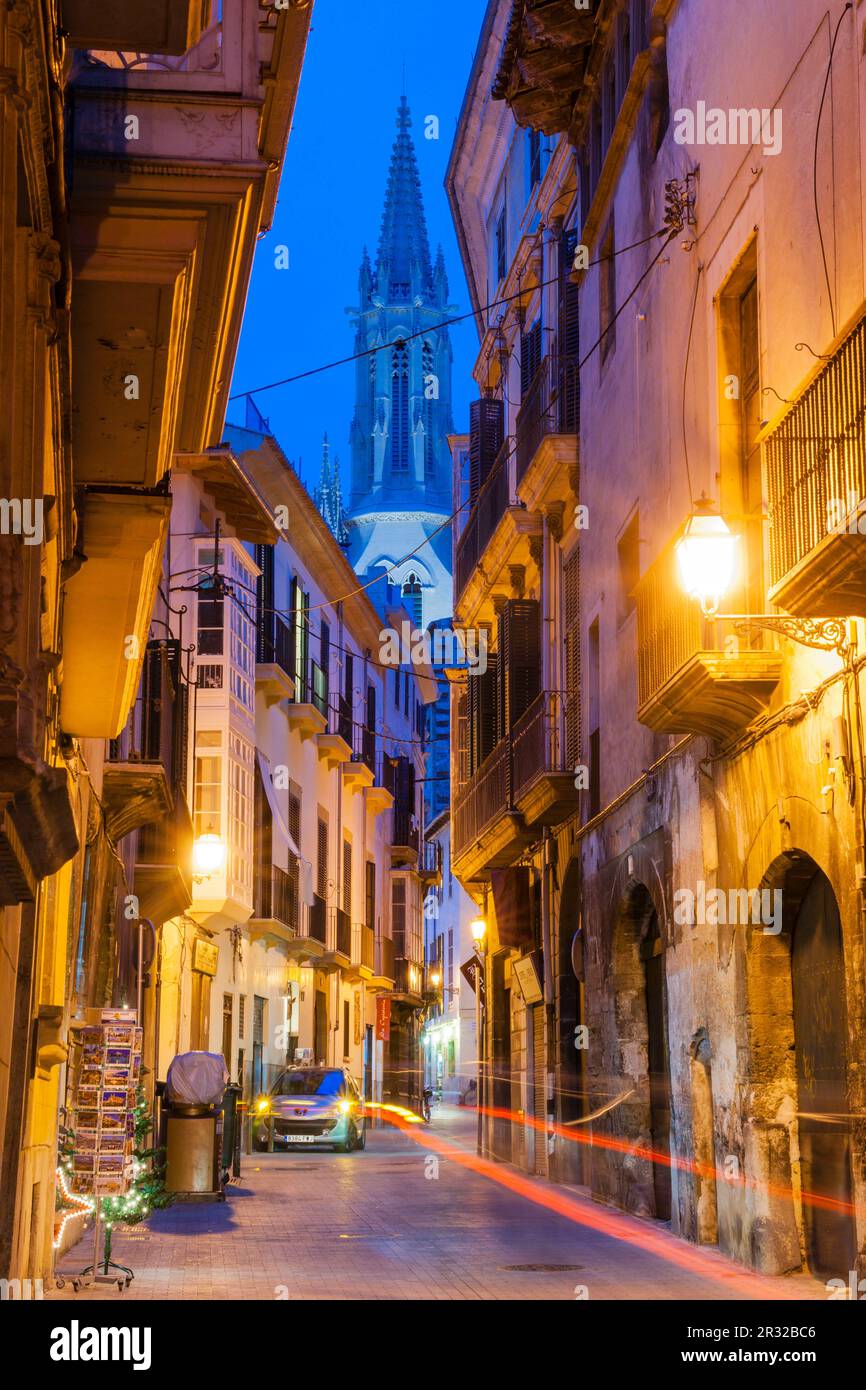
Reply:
x=231 y=1132
x=194 y=1091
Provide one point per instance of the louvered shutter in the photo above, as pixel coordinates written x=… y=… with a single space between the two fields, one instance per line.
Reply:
x=568 y=337
x=486 y=432
x=347 y=878
x=520 y=659
x=322 y=859
x=571 y=602
x=294 y=866
x=265 y=604
x=530 y=356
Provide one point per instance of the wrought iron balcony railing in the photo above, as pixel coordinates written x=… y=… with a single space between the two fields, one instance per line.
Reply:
x=485 y=516
x=550 y=406
x=276 y=897
x=816 y=482
x=527 y=777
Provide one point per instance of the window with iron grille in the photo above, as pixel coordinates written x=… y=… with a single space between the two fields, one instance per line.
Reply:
x=242 y=1017
x=294 y=866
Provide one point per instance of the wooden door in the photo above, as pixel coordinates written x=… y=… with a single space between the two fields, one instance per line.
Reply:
x=820 y=1028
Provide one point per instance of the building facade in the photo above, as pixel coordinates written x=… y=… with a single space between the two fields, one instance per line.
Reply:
x=675 y=873
x=300 y=926
x=141 y=154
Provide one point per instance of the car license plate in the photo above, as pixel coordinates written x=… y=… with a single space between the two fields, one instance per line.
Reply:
x=300 y=1138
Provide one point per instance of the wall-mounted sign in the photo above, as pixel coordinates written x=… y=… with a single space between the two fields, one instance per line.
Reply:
x=383 y=1018
x=528 y=972
x=472 y=971
x=205 y=955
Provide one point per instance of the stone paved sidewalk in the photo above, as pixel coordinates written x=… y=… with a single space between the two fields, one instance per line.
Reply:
x=380 y=1225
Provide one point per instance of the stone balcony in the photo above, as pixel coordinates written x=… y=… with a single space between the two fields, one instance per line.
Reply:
x=694 y=675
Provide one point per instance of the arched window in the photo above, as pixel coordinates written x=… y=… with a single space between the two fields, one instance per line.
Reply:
x=400 y=410
x=412 y=598
x=429 y=441
x=371 y=456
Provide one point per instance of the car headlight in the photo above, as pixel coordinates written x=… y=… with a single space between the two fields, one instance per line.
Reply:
x=345 y=1107
x=263 y=1106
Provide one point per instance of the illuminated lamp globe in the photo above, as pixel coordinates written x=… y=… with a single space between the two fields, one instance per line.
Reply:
x=209 y=853
x=706 y=557
x=478 y=928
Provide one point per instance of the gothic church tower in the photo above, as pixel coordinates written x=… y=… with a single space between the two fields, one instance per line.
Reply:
x=401 y=467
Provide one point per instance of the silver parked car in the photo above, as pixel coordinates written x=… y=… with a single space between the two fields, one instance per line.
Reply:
x=311 y=1105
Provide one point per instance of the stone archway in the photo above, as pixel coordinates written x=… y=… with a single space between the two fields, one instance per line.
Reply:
x=635 y=1060
x=798 y=1145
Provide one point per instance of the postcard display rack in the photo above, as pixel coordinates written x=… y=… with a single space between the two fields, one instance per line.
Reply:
x=103 y=1164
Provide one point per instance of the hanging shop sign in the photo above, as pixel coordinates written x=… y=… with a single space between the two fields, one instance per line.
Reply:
x=383 y=1018
x=528 y=970
x=104 y=1104
x=472 y=971
x=205 y=956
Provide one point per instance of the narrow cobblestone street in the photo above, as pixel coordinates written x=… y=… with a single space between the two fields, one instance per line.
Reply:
x=372 y=1225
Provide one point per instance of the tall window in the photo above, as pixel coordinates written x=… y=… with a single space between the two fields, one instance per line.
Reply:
x=607 y=292
x=209 y=635
x=412 y=598
x=500 y=249
x=208 y=783
x=750 y=454
x=533 y=156
x=429 y=385
x=370 y=895
x=371 y=457
x=400 y=410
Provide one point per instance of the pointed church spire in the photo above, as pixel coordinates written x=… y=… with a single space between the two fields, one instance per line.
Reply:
x=329 y=494
x=403 y=268
x=440 y=277
x=365 y=277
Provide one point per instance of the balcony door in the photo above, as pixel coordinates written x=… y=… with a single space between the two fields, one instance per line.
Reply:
x=820 y=1026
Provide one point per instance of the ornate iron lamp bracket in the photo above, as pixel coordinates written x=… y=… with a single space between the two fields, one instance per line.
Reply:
x=822 y=634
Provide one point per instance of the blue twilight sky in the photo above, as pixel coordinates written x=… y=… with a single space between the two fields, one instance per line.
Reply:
x=330 y=204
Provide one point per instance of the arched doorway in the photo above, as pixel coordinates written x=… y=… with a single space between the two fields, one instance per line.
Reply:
x=636 y=1071
x=658 y=1067
x=819 y=1011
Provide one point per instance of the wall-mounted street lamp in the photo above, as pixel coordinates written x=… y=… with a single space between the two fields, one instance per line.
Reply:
x=707 y=560
x=478 y=928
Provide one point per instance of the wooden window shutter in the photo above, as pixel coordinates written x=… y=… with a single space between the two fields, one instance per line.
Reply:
x=520 y=659
x=322 y=859
x=294 y=866
x=568 y=337
x=530 y=356
x=486 y=433
x=571 y=603
x=347 y=877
